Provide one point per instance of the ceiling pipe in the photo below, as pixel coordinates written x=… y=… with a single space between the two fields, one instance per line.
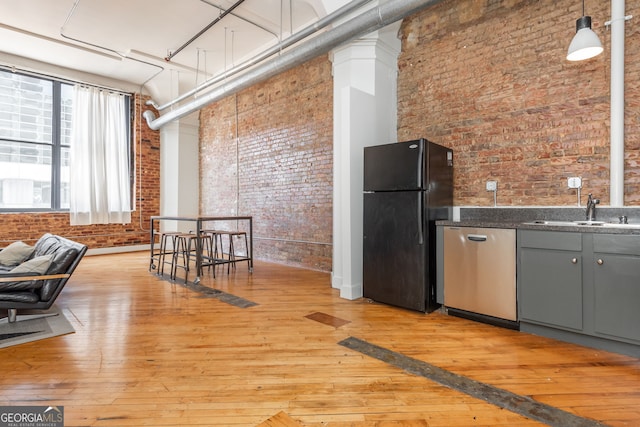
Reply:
x=295 y=38
x=115 y=52
x=204 y=30
x=369 y=21
x=248 y=21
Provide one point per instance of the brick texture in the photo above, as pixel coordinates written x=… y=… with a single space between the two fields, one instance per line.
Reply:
x=29 y=227
x=267 y=152
x=487 y=78
x=490 y=80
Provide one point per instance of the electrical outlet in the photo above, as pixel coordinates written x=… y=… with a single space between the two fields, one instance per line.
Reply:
x=492 y=185
x=575 y=182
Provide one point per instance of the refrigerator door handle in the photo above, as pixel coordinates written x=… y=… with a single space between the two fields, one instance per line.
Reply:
x=420 y=218
x=420 y=164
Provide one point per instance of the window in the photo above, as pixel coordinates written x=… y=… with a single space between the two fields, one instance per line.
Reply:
x=35 y=130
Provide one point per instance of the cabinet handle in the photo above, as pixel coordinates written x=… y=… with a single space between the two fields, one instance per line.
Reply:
x=600 y=261
x=574 y=260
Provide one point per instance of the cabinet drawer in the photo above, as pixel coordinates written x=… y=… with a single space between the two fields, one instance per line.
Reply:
x=559 y=240
x=616 y=244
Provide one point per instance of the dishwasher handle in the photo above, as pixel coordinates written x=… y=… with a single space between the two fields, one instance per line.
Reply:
x=477 y=237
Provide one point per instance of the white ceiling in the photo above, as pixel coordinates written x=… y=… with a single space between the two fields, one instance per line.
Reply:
x=126 y=42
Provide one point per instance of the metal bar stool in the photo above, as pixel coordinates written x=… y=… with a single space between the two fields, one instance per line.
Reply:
x=185 y=250
x=164 y=249
x=216 y=253
x=232 y=256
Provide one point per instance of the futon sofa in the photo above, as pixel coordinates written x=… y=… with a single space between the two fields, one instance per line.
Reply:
x=31 y=277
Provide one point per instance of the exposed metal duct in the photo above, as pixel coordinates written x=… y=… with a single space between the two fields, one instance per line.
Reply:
x=295 y=38
x=363 y=24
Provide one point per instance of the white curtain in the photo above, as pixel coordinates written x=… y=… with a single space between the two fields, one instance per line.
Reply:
x=99 y=184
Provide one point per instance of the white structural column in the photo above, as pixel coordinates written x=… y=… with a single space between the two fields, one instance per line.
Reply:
x=179 y=171
x=364 y=113
x=179 y=179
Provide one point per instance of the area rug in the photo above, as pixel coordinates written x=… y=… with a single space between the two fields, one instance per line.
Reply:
x=28 y=329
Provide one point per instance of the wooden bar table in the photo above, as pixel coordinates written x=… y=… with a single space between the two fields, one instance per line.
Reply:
x=199 y=221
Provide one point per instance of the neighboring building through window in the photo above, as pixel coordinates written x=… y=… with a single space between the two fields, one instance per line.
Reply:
x=35 y=130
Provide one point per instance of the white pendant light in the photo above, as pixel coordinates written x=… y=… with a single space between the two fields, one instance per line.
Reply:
x=585 y=43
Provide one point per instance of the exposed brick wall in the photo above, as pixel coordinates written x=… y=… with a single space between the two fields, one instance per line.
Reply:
x=30 y=226
x=490 y=80
x=267 y=152
x=147 y=171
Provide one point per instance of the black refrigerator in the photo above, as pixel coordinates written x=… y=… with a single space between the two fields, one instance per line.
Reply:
x=408 y=186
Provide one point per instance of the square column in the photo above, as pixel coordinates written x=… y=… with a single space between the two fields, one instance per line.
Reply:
x=364 y=113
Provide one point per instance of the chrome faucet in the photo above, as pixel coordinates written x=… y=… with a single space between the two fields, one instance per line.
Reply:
x=591 y=208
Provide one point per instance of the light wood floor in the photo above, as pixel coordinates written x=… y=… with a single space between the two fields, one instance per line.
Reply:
x=153 y=353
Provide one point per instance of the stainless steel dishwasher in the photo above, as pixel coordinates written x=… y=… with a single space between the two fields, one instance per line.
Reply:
x=480 y=273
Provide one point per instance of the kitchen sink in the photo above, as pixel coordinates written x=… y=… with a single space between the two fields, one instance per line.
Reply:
x=583 y=223
x=547 y=222
x=616 y=225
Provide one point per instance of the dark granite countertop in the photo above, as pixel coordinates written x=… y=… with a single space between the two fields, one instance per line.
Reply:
x=525 y=218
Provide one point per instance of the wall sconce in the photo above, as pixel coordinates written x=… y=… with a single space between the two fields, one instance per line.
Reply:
x=585 y=43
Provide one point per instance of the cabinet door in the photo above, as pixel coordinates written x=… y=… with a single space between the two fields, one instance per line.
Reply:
x=617 y=295
x=551 y=287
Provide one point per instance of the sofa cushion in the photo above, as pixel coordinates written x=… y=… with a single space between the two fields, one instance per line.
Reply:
x=61 y=260
x=48 y=244
x=15 y=253
x=63 y=254
x=37 y=265
x=27 y=285
x=19 y=297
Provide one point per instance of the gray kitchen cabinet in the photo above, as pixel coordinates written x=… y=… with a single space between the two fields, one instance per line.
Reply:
x=616 y=279
x=550 y=275
x=581 y=287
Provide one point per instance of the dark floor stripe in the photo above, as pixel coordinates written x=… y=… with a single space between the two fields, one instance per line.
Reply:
x=502 y=398
x=235 y=300
x=208 y=292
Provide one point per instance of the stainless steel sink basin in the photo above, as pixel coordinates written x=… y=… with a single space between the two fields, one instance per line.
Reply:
x=614 y=225
x=547 y=222
x=583 y=223
x=589 y=222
